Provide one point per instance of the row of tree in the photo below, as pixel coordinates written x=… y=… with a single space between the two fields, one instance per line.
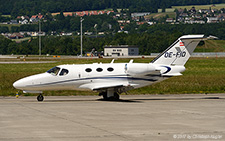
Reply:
x=150 y=39
x=65 y=45
x=30 y=7
x=4 y=18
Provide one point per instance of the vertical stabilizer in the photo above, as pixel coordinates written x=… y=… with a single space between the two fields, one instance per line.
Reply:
x=180 y=51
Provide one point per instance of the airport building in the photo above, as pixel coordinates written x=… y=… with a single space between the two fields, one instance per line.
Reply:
x=121 y=50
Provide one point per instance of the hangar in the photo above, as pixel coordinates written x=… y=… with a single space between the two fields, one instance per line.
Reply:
x=121 y=50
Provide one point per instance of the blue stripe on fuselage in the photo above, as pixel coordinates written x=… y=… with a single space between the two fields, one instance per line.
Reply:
x=91 y=78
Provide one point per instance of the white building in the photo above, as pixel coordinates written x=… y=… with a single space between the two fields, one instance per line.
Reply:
x=212 y=19
x=25 y=21
x=121 y=50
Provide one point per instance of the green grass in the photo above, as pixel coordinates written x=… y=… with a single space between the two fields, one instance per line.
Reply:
x=167 y=10
x=23 y=39
x=9 y=73
x=9 y=16
x=202 y=76
x=10 y=25
x=197 y=7
x=212 y=46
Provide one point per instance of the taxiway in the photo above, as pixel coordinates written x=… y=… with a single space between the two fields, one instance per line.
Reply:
x=135 y=117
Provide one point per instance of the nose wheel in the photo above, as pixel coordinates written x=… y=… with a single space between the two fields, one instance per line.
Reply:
x=40 y=97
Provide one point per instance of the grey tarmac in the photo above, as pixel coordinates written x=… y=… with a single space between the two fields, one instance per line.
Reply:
x=134 y=117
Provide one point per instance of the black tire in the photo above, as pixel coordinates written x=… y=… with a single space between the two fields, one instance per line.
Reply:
x=40 y=97
x=112 y=98
x=116 y=96
x=105 y=96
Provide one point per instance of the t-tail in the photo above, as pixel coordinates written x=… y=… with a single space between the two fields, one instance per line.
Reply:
x=174 y=57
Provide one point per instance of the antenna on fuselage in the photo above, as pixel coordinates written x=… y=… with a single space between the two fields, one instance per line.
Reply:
x=131 y=61
x=112 y=61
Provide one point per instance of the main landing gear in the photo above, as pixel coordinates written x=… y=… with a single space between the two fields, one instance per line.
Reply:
x=40 y=97
x=110 y=95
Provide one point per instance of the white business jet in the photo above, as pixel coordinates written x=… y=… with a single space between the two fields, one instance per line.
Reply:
x=112 y=79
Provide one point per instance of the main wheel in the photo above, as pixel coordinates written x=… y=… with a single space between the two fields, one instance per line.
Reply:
x=40 y=97
x=116 y=96
x=105 y=97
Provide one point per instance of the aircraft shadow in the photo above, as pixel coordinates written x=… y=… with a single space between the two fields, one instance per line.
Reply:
x=85 y=100
x=120 y=100
x=152 y=99
x=69 y=100
x=141 y=100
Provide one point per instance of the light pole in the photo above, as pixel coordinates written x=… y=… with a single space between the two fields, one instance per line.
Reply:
x=81 y=37
x=39 y=37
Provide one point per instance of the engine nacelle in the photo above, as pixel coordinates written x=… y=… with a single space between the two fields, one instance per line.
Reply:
x=139 y=68
x=170 y=70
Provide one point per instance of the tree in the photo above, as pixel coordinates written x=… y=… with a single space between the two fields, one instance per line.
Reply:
x=4 y=29
x=163 y=8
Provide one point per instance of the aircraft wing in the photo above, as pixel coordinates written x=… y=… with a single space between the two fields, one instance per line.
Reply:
x=98 y=86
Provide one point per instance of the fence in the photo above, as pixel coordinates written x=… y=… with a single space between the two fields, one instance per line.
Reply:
x=201 y=54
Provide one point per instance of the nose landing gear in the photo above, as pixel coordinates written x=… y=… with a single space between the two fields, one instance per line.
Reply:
x=40 y=97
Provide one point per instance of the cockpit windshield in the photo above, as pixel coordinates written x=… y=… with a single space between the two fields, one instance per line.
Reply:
x=54 y=70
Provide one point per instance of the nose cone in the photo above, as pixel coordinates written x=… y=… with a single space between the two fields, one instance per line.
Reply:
x=18 y=84
x=29 y=83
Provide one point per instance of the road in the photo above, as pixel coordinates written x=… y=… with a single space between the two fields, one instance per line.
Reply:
x=135 y=117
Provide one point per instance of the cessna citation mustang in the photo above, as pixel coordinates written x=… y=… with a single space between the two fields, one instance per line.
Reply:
x=111 y=79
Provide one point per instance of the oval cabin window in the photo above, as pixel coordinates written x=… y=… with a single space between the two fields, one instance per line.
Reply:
x=99 y=69
x=64 y=72
x=110 y=69
x=88 y=69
